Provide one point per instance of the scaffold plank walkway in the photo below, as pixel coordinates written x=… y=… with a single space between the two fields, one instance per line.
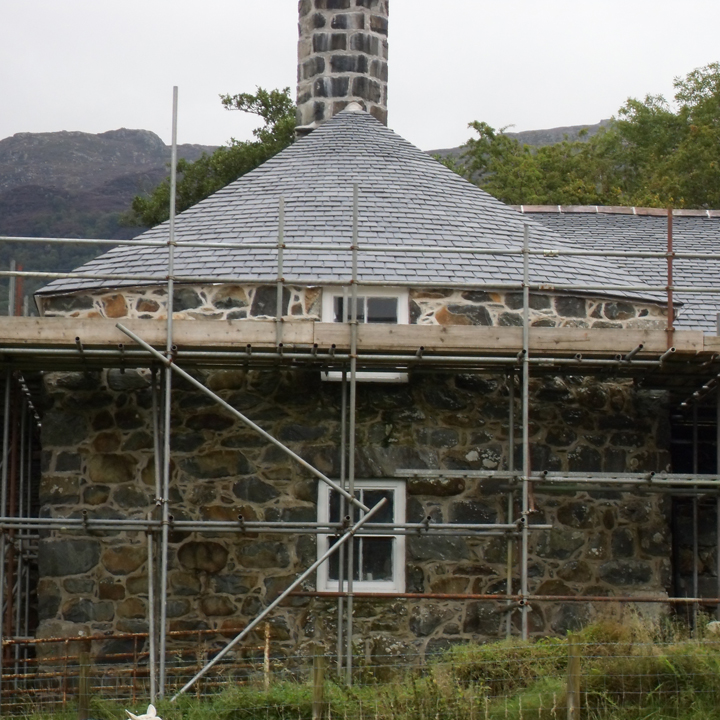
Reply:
x=601 y=342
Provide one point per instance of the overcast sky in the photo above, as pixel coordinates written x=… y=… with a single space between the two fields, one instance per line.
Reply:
x=96 y=65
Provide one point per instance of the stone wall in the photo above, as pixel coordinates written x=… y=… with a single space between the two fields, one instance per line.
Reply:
x=208 y=302
x=342 y=58
x=98 y=457
x=437 y=307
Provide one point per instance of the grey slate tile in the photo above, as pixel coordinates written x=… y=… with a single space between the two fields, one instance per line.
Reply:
x=615 y=231
x=406 y=197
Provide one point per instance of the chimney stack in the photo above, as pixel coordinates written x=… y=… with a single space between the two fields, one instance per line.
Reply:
x=342 y=58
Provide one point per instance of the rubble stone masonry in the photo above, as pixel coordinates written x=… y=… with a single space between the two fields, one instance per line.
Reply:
x=435 y=307
x=98 y=457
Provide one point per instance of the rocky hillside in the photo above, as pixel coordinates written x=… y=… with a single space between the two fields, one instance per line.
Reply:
x=77 y=185
x=74 y=185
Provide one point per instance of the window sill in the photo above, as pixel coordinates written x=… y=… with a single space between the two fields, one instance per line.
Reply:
x=364 y=587
x=366 y=376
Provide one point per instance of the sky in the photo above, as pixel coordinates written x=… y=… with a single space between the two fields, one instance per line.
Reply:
x=97 y=65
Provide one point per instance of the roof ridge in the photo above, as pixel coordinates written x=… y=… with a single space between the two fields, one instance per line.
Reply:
x=615 y=210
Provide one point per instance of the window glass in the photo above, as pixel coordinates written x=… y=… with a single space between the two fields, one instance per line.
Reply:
x=370 y=498
x=373 y=554
x=369 y=309
x=338 y=505
x=339 y=308
x=382 y=310
x=376 y=558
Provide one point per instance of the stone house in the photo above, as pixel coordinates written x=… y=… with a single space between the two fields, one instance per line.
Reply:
x=441 y=440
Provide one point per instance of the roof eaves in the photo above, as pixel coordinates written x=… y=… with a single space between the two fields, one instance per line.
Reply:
x=613 y=210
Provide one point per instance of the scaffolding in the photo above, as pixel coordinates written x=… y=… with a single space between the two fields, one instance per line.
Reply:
x=686 y=364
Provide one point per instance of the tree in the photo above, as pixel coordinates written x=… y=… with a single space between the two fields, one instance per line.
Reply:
x=673 y=153
x=197 y=180
x=653 y=153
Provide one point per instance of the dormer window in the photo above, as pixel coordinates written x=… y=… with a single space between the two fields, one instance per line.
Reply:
x=374 y=305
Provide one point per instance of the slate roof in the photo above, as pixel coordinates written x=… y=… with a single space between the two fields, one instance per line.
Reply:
x=646 y=229
x=406 y=198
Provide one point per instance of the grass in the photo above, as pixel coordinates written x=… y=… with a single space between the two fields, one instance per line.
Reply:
x=637 y=670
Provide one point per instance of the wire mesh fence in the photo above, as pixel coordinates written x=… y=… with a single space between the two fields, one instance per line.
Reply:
x=608 y=671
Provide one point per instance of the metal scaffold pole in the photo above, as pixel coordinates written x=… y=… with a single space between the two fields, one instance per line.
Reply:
x=356 y=355
x=346 y=537
x=243 y=418
x=152 y=576
x=342 y=551
x=525 y=433
x=351 y=433
x=19 y=512
x=280 y=281
x=168 y=410
x=2 y=607
x=3 y=513
x=717 y=472
x=27 y=509
x=152 y=651
x=510 y=499
x=695 y=539
x=11 y=509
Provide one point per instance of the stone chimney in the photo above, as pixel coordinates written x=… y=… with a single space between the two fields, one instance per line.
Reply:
x=342 y=58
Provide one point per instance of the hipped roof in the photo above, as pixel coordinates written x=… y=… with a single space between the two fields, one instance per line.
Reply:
x=406 y=198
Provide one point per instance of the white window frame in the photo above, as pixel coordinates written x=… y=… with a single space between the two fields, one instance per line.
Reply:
x=397 y=584
x=402 y=295
x=403 y=318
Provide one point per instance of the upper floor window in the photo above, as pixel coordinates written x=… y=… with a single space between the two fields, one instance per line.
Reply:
x=374 y=305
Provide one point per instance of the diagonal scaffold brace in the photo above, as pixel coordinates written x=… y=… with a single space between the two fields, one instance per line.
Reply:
x=350 y=533
x=340 y=543
x=168 y=362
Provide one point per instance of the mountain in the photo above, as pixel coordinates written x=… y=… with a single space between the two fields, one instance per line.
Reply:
x=74 y=185
x=538 y=138
x=77 y=185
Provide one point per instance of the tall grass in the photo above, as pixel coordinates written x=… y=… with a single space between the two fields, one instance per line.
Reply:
x=637 y=670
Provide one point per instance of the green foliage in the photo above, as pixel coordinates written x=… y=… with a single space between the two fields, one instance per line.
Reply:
x=653 y=154
x=197 y=180
x=63 y=221
x=42 y=257
x=630 y=670
x=502 y=668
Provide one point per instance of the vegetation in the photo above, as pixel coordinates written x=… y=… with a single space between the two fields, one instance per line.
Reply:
x=62 y=221
x=654 y=153
x=197 y=180
x=634 y=670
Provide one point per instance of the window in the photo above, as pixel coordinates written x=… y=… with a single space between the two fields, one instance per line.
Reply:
x=379 y=562
x=374 y=305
